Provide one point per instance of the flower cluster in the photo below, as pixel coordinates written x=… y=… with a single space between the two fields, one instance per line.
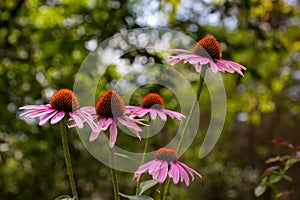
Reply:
x=110 y=110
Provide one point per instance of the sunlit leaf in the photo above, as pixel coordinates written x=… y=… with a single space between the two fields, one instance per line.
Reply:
x=64 y=197
x=286 y=177
x=146 y=185
x=274 y=178
x=136 y=197
x=259 y=190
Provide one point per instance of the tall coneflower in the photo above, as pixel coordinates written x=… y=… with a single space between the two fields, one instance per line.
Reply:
x=207 y=52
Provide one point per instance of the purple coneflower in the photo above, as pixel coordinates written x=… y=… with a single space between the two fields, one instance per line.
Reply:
x=207 y=50
x=166 y=163
x=153 y=104
x=63 y=103
x=109 y=110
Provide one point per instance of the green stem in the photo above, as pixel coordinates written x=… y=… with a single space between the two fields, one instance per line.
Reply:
x=185 y=128
x=161 y=191
x=166 y=189
x=64 y=139
x=114 y=177
x=199 y=89
x=143 y=159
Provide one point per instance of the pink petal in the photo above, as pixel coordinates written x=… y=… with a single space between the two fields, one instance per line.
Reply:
x=197 y=59
x=190 y=170
x=198 y=67
x=89 y=109
x=155 y=166
x=89 y=120
x=163 y=172
x=144 y=111
x=30 y=113
x=174 y=61
x=162 y=115
x=47 y=117
x=213 y=66
x=129 y=124
x=174 y=173
x=77 y=120
x=234 y=64
x=183 y=173
x=113 y=134
x=224 y=66
x=153 y=114
x=33 y=107
x=173 y=114
x=57 y=117
x=94 y=135
x=143 y=167
x=106 y=123
x=38 y=114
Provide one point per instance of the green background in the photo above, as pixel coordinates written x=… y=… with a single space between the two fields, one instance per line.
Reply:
x=43 y=43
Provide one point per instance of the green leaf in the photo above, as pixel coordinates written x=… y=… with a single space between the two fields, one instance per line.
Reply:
x=127 y=157
x=274 y=178
x=259 y=190
x=136 y=197
x=145 y=185
x=64 y=197
x=286 y=177
x=279 y=195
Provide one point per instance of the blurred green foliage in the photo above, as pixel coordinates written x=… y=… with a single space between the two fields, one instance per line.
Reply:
x=43 y=43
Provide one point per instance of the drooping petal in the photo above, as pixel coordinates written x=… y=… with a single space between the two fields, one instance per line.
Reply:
x=88 y=119
x=144 y=167
x=173 y=114
x=198 y=67
x=47 y=117
x=153 y=114
x=57 y=117
x=112 y=134
x=94 y=135
x=89 y=109
x=162 y=115
x=224 y=66
x=106 y=123
x=77 y=119
x=35 y=113
x=197 y=59
x=190 y=170
x=144 y=111
x=155 y=166
x=213 y=66
x=234 y=64
x=129 y=124
x=163 y=172
x=174 y=173
x=184 y=175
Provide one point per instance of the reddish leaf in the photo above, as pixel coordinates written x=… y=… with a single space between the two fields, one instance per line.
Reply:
x=283 y=143
x=269 y=170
